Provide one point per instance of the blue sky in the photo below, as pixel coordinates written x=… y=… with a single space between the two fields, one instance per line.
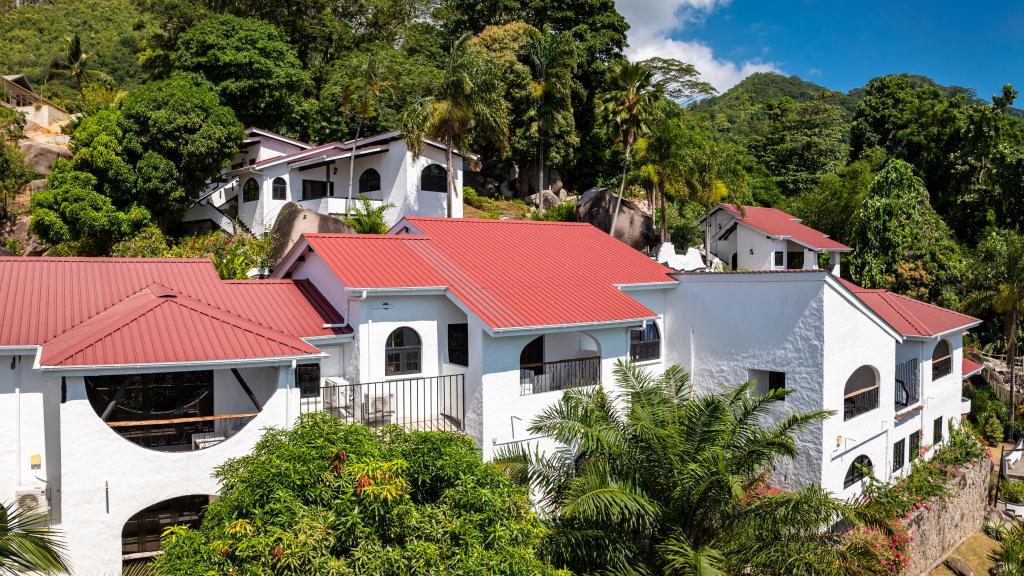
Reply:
x=840 y=45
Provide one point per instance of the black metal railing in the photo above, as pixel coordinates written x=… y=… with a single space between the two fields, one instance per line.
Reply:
x=859 y=403
x=908 y=387
x=432 y=403
x=644 y=351
x=181 y=434
x=559 y=375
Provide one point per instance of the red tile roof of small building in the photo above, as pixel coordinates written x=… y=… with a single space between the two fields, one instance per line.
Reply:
x=157 y=325
x=778 y=223
x=970 y=367
x=42 y=299
x=511 y=274
x=908 y=316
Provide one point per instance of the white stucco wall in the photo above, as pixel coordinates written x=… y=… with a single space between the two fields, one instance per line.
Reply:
x=107 y=479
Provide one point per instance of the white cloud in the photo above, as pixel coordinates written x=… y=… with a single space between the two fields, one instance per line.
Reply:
x=652 y=23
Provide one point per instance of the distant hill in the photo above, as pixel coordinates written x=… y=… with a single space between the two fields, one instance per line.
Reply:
x=735 y=110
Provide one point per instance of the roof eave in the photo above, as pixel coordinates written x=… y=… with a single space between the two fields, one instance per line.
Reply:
x=549 y=328
x=943 y=333
x=82 y=370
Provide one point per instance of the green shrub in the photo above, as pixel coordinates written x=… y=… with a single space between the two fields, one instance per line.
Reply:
x=472 y=198
x=13 y=246
x=1012 y=491
x=990 y=427
x=328 y=498
x=564 y=212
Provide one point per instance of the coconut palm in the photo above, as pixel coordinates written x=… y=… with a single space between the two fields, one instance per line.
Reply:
x=661 y=479
x=629 y=108
x=467 y=104
x=76 y=62
x=999 y=268
x=27 y=544
x=552 y=58
x=367 y=219
x=364 y=101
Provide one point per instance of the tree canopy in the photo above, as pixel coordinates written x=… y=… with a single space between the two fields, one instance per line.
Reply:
x=329 y=498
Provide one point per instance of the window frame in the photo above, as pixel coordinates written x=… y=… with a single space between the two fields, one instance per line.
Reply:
x=776 y=385
x=854 y=474
x=873 y=391
x=305 y=380
x=462 y=350
x=278 y=189
x=899 y=448
x=426 y=178
x=642 y=347
x=307 y=186
x=778 y=258
x=409 y=358
x=366 y=179
x=943 y=365
x=246 y=191
x=937 y=435
x=914 y=445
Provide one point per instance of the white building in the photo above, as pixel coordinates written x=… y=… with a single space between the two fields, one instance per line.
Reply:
x=271 y=170
x=755 y=238
x=40 y=113
x=122 y=400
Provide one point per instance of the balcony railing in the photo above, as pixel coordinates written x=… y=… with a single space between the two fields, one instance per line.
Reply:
x=559 y=375
x=859 y=403
x=942 y=367
x=181 y=434
x=433 y=403
x=908 y=387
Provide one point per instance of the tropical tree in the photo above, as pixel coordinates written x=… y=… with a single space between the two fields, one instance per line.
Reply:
x=553 y=59
x=75 y=62
x=325 y=497
x=659 y=478
x=466 y=105
x=27 y=545
x=368 y=219
x=629 y=108
x=999 y=272
x=363 y=102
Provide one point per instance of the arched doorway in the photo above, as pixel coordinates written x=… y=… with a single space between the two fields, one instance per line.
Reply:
x=140 y=536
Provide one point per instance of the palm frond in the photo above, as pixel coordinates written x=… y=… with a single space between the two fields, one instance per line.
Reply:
x=27 y=544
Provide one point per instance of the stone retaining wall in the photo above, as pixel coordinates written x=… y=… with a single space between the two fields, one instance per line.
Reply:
x=936 y=532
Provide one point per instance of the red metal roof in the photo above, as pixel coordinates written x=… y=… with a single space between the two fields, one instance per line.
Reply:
x=908 y=316
x=510 y=273
x=43 y=298
x=970 y=367
x=157 y=325
x=778 y=223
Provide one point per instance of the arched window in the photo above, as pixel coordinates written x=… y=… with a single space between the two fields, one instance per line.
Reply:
x=250 y=191
x=434 y=178
x=860 y=394
x=369 y=181
x=279 y=189
x=402 y=352
x=858 y=470
x=942 y=360
x=645 y=343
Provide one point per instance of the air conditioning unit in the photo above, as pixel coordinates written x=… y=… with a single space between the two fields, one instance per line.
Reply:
x=32 y=499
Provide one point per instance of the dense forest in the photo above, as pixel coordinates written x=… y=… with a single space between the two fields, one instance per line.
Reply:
x=924 y=181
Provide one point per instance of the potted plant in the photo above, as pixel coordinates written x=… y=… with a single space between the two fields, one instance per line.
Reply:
x=1011 y=492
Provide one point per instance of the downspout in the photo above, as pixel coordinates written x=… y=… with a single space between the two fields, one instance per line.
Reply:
x=17 y=416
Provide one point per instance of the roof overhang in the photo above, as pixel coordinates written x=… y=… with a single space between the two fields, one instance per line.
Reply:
x=647 y=286
x=326 y=159
x=27 y=350
x=945 y=333
x=397 y=291
x=278 y=137
x=552 y=328
x=174 y=366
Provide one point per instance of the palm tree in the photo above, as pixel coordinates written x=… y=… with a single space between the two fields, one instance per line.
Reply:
x=374 y=83
x=27 y=545
x=468 y=104
x=369 y=220
x=76 y=62
x=999 y=268
x=552 y=57
x=629 y=107
x=661 y=479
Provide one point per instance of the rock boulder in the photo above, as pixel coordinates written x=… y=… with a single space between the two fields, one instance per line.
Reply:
x=293 y=221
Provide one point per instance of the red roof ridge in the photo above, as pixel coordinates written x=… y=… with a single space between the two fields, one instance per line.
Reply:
x=363 y=236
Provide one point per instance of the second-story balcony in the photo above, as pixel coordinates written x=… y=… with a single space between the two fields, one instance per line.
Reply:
x=908 y=386
x=542 y=377
x=433 y=403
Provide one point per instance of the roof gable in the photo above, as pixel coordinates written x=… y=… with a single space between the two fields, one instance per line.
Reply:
x=778 y=223
x=158 y=326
